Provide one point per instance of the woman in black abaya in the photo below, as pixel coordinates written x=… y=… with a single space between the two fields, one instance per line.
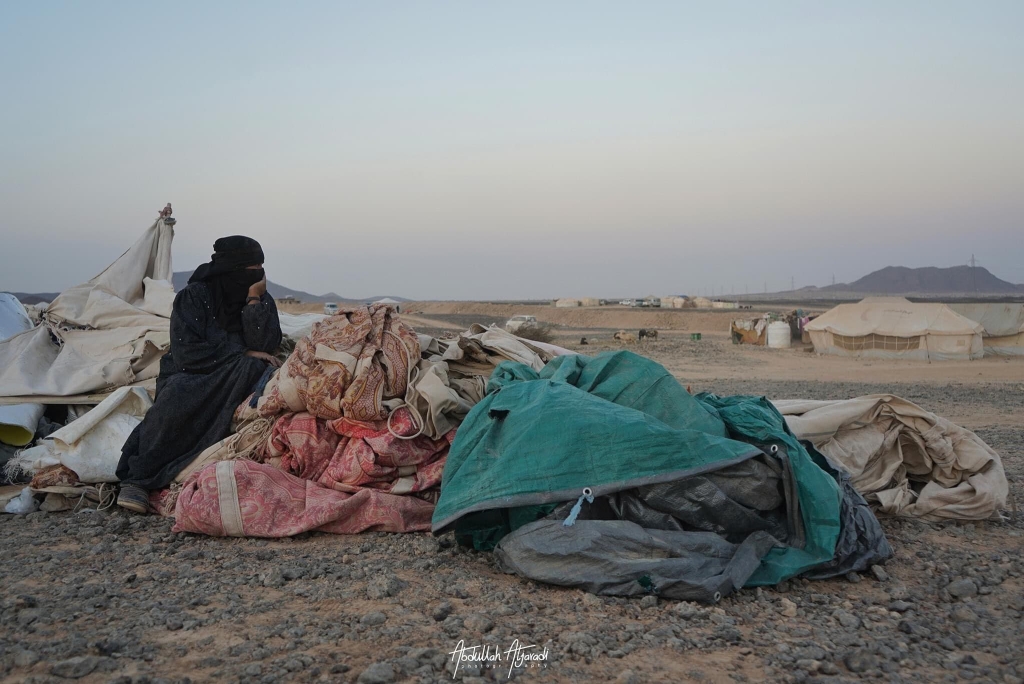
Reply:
x=224 y=330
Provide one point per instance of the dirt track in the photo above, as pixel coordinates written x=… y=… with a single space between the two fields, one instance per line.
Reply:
x=114 y=597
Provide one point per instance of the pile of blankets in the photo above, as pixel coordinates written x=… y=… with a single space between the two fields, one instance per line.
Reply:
x=351 y=434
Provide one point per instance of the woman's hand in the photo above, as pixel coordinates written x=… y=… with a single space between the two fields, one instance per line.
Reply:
x=264 y=356
x=258 y=289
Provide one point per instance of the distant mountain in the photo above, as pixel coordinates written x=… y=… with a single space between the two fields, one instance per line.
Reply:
x=180 y=280
x=900 y=280
x=27 y=299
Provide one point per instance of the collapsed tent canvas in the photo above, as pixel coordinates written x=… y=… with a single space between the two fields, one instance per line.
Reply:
x=17 y=422
x=675 y=496
x=106 y=333
x=906 y=460
x=91 y=445
x=894 y=327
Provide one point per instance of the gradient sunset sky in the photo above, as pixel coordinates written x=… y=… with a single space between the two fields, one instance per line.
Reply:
x=458 y=150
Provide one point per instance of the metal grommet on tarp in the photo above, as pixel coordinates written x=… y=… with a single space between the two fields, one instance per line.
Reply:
x=588 y=494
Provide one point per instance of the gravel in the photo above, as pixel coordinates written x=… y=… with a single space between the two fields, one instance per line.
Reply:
x=154 y=606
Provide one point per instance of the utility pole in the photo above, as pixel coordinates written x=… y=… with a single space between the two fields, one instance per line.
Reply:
x=792 y=283
x=974 y=281
x=766 y=287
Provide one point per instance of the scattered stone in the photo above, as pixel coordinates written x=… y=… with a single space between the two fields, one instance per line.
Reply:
x=478 y=624
x=627 y=677
x=75 y=668
x=900 y=606
x=880 y=574
x=292 y=572
x=810 y=666
x=852 y=577
x=649 y=601
x=272 y=578
x=441 y=611
x=860 y=661
x=25 y=658
x=962 y=588
x=253 y=670
x=688 y=610
x=847 y=619
x=383 y=586
x=378 y=673
x=787 y=608
x=373 y=619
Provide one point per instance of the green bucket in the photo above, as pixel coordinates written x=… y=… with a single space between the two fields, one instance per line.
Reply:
x=695 y=337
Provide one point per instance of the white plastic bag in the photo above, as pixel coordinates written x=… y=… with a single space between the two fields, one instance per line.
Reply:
x=22 y=504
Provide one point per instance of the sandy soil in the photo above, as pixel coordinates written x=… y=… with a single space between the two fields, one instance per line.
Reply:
x=106 y=596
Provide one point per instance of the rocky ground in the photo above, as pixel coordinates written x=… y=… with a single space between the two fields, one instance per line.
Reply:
x=112 y=597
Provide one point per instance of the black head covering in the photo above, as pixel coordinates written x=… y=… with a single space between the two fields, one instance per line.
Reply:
x=229 y=279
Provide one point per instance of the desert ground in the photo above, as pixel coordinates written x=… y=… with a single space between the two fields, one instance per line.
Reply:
x=113 y=597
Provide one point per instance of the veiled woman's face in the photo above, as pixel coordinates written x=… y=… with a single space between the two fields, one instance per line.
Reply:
x=254 y=267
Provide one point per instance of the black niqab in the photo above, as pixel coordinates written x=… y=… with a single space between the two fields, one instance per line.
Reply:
x=228 y=277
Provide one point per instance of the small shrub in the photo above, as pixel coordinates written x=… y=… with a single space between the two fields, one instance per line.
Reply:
x=537 y=332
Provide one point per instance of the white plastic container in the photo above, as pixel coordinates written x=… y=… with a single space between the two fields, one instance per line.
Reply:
x=779 y=335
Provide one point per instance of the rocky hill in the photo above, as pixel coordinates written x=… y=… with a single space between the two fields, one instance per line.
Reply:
x=900 y=280
x=279 y=291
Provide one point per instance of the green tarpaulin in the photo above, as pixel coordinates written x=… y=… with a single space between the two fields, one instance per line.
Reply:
x=620 y=423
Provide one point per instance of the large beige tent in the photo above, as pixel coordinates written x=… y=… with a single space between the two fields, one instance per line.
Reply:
x=893 y=327
x=1003 y=324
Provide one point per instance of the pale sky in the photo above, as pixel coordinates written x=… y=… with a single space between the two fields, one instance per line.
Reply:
x=467 y=150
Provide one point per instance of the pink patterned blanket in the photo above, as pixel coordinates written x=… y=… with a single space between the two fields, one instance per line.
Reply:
x=348 y=365
x=348 y=455
x=242 y=498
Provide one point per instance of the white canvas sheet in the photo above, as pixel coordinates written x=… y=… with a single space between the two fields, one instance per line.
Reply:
x=111 y=330
x=18 y=422
x=908 y=461
x=91 y=445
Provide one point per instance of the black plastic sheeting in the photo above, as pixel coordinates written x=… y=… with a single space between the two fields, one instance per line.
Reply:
x=696 y=539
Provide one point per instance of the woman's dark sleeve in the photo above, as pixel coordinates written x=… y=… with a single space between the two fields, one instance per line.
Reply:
x=198 y=344
x=261 y=327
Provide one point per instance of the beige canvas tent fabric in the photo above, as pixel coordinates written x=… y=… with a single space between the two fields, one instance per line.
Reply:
x=893 y=327
x=111 y=331
x=1003 y=326
x=17 y=422
x=90 y=445
x=904 y=459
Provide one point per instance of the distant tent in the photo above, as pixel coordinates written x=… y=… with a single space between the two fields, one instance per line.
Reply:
x=1003 y=324
x=702 y=302
x=894 y=328
x=391 y=302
